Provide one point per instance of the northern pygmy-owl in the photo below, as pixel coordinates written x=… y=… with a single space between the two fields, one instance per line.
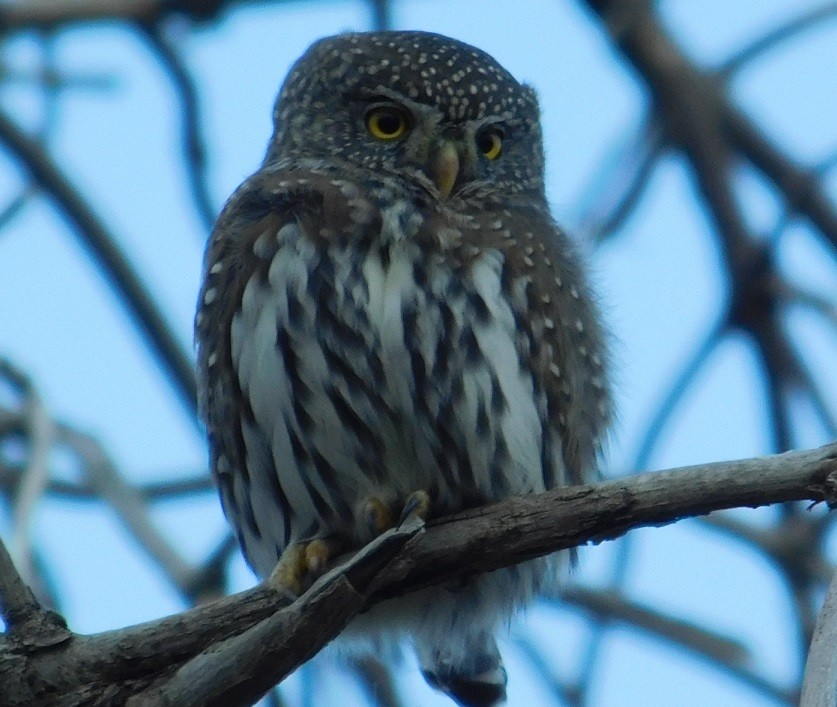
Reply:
x=389 y=314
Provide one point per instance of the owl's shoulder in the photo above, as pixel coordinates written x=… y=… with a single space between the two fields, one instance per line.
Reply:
x=325 y=203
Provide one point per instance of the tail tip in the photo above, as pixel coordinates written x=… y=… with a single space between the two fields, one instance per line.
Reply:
x=483 y=690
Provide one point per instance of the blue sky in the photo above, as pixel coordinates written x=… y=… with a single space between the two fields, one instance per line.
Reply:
x=660 y=284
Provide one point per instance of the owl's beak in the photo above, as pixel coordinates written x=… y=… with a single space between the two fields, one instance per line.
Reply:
x=444 y=167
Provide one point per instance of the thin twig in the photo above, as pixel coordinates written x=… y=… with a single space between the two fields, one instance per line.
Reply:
x=786 y=31
x=27 y=622
x=191 y=132
x=664 y=410
x=615 y=191
x=103 y=248
x=722 y=652
x=128 y=504
x=17 y=602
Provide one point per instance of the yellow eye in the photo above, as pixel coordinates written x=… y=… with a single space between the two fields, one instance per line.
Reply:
x=490 y=143
x=386 y=123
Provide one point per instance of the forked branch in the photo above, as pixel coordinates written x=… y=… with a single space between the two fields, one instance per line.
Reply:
x=233 y=650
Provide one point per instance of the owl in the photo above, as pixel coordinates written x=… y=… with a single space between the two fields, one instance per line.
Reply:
x=390 y=323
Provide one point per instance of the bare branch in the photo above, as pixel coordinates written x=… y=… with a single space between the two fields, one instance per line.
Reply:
x=623 y=179
x=787 y=31
x=521 y=528
x=16 y=599
x=234 y=649
x=27 y=622
x=819 y=686
x=192 y=135
x=152 y=491
x=50 y=14
x=15 y=206
x=694 y=113
x=723 y=652
x=801 y=188
x=105 y=251
x=611 y=605
x=128 y=504
x=40 y=434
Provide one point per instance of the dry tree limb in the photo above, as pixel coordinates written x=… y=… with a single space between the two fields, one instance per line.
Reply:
x=105 y=251
x=233 y=650
x=819 y=686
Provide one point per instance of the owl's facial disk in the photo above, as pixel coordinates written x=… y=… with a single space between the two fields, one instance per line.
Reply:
x=447 y=153
x=454 y=155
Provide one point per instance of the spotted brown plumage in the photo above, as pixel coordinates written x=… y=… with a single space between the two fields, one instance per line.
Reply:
x=388 y=308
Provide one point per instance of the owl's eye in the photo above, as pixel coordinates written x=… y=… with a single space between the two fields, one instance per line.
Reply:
x=490 y=143
x=386 y=123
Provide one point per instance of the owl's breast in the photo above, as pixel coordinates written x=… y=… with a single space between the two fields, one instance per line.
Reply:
x=375 y=367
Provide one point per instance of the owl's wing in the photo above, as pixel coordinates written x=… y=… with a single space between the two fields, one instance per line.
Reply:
x=266 y=214
x=560 y=337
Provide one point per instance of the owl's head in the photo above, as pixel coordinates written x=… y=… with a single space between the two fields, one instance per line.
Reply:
x=427 y=110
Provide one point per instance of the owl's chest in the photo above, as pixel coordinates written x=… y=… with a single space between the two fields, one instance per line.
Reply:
x=377 y=360
x=386 y=319
x=413 y=327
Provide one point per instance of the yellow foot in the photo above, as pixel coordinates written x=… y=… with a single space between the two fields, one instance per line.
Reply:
x=301 y=564
x=378 y=516
x=417 y=505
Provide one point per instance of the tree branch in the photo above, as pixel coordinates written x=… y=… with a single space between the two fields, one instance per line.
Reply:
x=28 y=624
x=819 y=687
x=104 y=250
x=51 y=14
x=259 y=643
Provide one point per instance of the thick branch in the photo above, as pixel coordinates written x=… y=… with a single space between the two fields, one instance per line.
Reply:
x=700 y=119
x=163 y=656
x=521 y=528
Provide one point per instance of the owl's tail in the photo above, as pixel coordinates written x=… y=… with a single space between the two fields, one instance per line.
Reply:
x=470 y=671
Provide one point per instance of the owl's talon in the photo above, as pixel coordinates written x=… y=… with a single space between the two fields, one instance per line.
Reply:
x=417 y=505
x=317 y=554
x=300 y=564
x=290 y=570
x=378 y=516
